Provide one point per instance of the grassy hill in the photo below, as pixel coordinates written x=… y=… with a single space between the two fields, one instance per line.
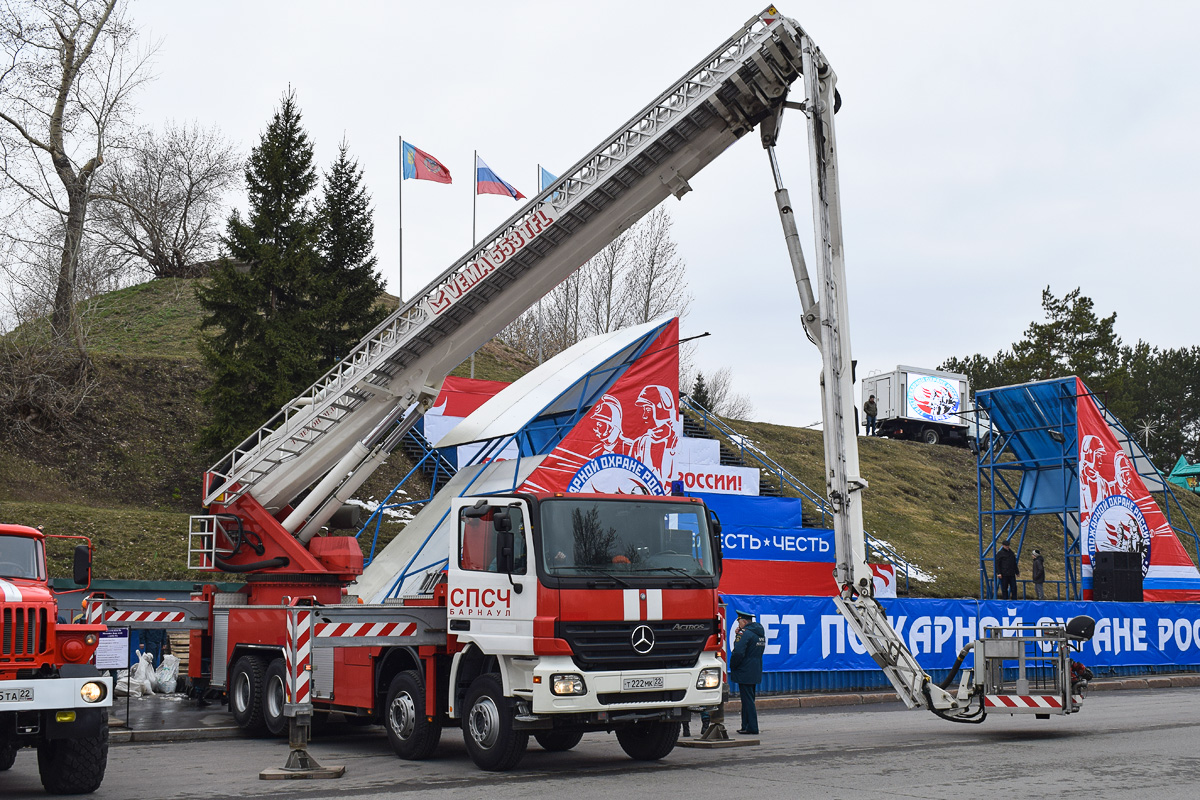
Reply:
x=127 y=474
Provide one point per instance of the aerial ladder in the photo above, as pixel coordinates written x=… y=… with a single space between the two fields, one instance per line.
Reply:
x=1039 y=655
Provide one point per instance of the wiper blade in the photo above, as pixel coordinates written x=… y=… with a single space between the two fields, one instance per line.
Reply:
x=678 y=571
x=601 y=571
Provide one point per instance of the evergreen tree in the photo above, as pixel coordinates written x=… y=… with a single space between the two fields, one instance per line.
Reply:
x=348 y=284
x=262 y=300
x=700 y=393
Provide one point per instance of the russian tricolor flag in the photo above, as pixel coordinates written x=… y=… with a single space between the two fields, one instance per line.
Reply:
x=488 y=182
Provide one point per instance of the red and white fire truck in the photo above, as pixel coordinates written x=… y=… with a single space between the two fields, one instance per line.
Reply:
x=51 y=697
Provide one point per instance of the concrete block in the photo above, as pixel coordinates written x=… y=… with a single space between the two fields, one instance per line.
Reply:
x=1185 y=680
x=1158 y=683
x=824 y=700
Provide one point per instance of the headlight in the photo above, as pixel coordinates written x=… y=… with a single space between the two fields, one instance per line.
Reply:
x=567 y=684
x=709 y=678
x=92 y=692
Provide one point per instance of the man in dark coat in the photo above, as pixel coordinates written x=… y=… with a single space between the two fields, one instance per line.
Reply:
x=1006 y=568
x=745 y=666
x=870 y=410
x=1039 y=574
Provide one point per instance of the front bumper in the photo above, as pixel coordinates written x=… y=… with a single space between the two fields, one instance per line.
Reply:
x=53 y=694
x=678 y=690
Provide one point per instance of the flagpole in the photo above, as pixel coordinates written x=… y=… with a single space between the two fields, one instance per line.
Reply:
x=400 y=210
x=539 y=308
x=474 y=194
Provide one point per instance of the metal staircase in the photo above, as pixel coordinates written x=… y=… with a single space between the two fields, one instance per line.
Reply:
x=340 y=429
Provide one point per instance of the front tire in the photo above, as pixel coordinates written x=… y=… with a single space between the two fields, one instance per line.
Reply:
x=246 y=694
x=558 y=741
x=274 y=697
x=412 y=735
x=74 y=766
x=648 y=741
x=488 y=726
x=8 y=756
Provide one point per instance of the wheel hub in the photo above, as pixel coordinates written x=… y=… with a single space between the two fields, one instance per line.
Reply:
x=484 y=723
x=402 y=716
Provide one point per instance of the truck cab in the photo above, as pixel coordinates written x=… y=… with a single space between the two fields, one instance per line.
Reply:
x=51 y=697
x=592 y=612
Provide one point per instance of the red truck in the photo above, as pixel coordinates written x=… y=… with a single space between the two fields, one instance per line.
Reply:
x=51 y=697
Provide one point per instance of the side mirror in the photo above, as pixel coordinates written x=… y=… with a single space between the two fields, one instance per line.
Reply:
x=714 y=526
x=83 y=565
x=504 y=545
x=501 y=521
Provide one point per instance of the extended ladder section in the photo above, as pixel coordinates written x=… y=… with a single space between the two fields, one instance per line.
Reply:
x=341 y=428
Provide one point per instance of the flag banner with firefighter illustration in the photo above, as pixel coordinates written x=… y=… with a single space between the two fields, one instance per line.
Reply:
x=1117 y=513
x=628 y=442
x=806 y=634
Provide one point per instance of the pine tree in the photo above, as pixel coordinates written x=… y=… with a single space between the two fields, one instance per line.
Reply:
x=348 y=283
x=262 y=301
x=700 y=393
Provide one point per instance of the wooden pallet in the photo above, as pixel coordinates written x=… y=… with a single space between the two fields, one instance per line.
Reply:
x=179 y=648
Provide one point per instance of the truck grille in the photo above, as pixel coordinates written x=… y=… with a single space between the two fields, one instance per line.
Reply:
x=609 y=645
x=22 y=633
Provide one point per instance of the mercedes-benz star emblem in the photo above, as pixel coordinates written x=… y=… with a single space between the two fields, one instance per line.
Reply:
x=643 y=639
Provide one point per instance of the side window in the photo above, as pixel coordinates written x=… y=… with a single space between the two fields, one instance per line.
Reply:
x=479 y=542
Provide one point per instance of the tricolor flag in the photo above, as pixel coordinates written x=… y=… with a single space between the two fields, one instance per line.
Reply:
x=488 y=182
x=423 y=167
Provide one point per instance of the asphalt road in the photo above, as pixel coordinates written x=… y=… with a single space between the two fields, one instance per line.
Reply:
x=1129 y=744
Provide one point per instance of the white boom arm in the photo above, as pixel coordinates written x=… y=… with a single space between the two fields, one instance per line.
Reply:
x=826 y=323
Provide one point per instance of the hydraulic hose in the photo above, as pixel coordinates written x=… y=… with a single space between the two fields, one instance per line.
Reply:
x=270 y=563
x=962 y=654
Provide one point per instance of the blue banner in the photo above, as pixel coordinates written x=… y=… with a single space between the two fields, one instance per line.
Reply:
x=808 y=633
x=768 y=529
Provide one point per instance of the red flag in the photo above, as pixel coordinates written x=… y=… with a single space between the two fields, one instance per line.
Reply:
x=420 y=165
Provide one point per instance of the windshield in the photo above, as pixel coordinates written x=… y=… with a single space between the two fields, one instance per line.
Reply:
x=20 y=557
x=623 y=538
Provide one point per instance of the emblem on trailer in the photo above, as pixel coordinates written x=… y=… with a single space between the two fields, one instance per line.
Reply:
x=642 y=639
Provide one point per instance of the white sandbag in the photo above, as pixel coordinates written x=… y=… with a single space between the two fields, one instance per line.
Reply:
x=143 y=673
x=166 y=677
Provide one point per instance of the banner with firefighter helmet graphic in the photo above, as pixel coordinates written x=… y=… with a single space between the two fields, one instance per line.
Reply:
x=628 y=442
x=1117 y=513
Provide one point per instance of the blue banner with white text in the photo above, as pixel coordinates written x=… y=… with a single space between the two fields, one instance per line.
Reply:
x=808 y=633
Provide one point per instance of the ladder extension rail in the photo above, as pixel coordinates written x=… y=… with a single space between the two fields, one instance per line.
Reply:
x=768 y=43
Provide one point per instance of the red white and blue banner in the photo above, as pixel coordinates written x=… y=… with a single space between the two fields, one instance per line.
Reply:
x=456 y=401
x=808 y=634
x=1117 y=513
x=628 y=442
x=488 y=182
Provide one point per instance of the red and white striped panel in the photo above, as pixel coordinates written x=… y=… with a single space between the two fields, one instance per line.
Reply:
x=145 y=616
x=1023 y=701
x=327 y=630
x=298 y=654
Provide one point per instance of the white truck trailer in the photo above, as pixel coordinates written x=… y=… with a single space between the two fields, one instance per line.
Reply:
x=925 y=405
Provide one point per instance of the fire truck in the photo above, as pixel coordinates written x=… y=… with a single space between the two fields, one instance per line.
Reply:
x=51 y=697
x=555 y=615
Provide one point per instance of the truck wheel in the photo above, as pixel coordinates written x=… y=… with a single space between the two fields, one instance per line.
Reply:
x=74 y=766
x=488 y=726
x=8 y=755
x=245 y=694
x=931 y=436
x=274 y=696
x=411 y=733
x=557 y=741
x=648 y=741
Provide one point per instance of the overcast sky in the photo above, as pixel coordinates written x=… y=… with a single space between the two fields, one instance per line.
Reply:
x=987 y=150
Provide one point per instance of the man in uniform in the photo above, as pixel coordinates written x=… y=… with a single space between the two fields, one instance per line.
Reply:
x=745 y=667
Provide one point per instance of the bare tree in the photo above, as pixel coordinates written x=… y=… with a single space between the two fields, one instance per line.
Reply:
x=604 y=304
x=725 y=402
x=160 y=206
x=67 y=72
x=657 y=277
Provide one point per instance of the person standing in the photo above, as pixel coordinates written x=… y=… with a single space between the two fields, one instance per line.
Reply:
x=1039 y=574
x=745 y=667
x=1006 y=568
x=870 y=411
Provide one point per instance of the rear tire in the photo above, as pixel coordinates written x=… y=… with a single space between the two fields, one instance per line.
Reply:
x=74 y=766
x=412 y=735
x=931 y=436
x=648 y=741
x=274 y=696
x=8 y=755
x=557 y=741
x=246 y=694
x=488 y=726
